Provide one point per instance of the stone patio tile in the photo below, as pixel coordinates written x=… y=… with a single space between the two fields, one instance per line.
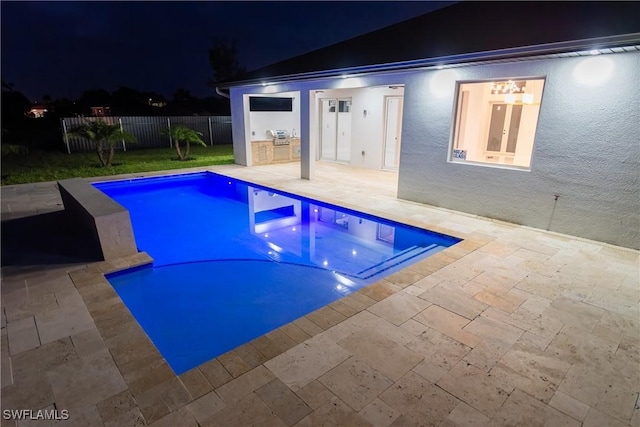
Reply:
x=440 y=353
x=380 y=290
x=131 y=349
x=523 y=410
x=508 y=301
x=381 y=352
x=418 y=400
x=295 y=333
x=6 y=374
x=464 y=415
x=234 y=364
x=85 y=417
x=31 y=392
x=399 y=308
x=596 y=418
x=38 y=361
x=618 y=302
x=29 y=307
x=180 y=418
x=414 y=327
x=284 y=403
x=531 y=370
x=534 y=303
x=248 y=411
x=22 y=335
x=115 y=405
x=195 y=383
x=458 y=272
x=575 y=313
x=362 y=320
x=325 y=317
x=379 y=413
x=404 y=278
x=498 y=280
x=575 y=346
x=88 y=342
x=307 y=361
x=607 y=334
x=315 y=394
x=475 y=387
x=612 y=388
x=428 y=282
x=333 y=413
x=629 y=350
x=570 y=406
x=358 y=301
x=308 y=326
x=131 y=418
x=150 y=373
x=172 y=392
x=282 y=341
x=355 y=382
x=343 y=309
x=42 y=287
x=10 y=285
x=63 y=322
x=499 y=248
x=267 y=347
x=442 y=320
x=488 y=328
x=215 y=373
x=206 y=406
x=540 y=329
x=455 y=301
x=239 y=387
x=85 y=382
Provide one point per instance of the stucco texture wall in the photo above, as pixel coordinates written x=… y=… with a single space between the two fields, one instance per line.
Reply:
x=586 y=151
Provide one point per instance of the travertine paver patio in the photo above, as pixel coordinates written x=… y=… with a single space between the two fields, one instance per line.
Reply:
x=513 y=326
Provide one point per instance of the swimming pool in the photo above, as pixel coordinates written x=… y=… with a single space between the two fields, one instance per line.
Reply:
x=234 y=260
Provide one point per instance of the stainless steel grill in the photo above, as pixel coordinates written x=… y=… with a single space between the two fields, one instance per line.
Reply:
x=280 y=137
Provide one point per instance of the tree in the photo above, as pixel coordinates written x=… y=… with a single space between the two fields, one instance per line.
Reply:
x=223 y=58
x=102 y=135
x=180 y=134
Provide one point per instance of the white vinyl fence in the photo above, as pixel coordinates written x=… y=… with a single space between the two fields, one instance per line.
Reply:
x=216 y=130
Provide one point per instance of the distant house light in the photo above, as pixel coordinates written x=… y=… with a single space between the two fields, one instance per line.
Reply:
x=100 y=111
x=37 y=111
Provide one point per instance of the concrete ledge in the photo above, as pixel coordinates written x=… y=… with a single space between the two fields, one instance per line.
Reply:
x=100 y=216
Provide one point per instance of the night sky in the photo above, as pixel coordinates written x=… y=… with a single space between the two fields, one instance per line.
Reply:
x=61 y=49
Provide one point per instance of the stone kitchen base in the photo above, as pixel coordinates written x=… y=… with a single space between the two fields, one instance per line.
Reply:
x=266 y=152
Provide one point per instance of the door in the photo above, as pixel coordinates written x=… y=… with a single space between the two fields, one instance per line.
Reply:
x=335 y=132
x=503 y=132
x=393 y=132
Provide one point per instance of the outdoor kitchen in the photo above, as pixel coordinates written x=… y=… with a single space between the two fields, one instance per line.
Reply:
x=273 y=121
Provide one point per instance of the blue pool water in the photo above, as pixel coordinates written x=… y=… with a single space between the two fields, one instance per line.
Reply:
x=233 y=260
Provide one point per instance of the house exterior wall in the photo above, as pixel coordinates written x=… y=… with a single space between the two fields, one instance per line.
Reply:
x=586 y=148
x=586 y=151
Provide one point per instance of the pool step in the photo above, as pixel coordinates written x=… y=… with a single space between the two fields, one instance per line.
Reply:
x=401 y=257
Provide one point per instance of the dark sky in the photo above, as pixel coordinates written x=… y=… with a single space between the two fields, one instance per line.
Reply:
x=64 y=48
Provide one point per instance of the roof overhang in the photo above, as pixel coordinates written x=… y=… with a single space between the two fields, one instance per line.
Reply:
x=600 y=45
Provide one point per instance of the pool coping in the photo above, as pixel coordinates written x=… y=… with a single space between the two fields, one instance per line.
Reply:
x=150 y=380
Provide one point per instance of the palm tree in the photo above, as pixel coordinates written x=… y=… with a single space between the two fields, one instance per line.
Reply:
x=102 y=135
x=184 y=134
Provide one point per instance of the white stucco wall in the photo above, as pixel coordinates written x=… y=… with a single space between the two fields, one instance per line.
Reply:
x=586 y=151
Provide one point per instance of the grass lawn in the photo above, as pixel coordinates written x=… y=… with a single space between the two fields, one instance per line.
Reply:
x=52 y=166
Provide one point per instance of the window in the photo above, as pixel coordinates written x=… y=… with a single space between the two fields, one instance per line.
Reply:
x=496 y=122
x=266 y=103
